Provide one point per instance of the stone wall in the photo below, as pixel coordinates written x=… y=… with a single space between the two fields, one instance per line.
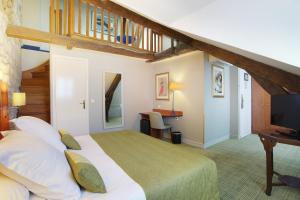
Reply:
x=10 y=50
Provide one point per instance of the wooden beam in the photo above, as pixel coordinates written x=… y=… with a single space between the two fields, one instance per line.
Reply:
x=79 y=16
x=95 y=21
x=75 y=41
x=87 y=19
x=268 y=86
x=272 y=74
x=52 y=18
x=181 y=48
x=102 y=24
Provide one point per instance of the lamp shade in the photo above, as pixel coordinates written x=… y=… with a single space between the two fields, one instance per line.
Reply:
x=18 y=99
x=175 y=86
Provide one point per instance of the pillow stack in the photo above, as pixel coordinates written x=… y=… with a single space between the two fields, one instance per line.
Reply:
x=38 y=166
x=34 y=158
x=40 y=129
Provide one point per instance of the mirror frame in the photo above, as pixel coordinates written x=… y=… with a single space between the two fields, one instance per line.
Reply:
x=103 y=101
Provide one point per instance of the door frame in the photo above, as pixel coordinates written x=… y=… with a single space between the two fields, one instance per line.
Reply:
x=103 y=100
x=53 y=86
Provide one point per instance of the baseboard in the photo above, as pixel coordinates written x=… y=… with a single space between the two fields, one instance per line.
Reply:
x=192 y=143
x=215 y=141
x=186 y=141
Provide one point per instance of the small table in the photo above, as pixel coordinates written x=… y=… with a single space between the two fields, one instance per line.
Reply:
x=145 y=121
x=270 y=138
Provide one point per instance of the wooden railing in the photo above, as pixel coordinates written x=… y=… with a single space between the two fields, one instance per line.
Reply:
x=87 y=19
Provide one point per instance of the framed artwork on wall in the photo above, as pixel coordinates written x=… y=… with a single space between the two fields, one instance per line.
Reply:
x=162 y=86
x=218 y=86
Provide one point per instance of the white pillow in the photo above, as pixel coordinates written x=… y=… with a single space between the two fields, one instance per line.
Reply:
x=11 y=190
x=38 y=166
x=39 y=128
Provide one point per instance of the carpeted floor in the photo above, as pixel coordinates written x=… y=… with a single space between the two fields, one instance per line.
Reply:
x=241 y=169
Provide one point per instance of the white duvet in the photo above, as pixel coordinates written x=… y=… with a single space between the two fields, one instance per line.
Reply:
x=118 y=184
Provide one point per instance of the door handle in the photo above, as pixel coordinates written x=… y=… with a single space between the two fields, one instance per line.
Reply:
x=242 y=102
x=83 y=104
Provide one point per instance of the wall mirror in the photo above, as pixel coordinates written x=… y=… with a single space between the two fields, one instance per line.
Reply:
x=113 y=114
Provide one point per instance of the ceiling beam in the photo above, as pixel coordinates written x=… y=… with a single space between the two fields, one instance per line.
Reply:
x=181 y=48
x=75 y=41
x=273 y=75
x=268 y=86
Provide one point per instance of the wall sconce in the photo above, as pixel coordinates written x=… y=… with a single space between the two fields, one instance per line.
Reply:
x=18 y=99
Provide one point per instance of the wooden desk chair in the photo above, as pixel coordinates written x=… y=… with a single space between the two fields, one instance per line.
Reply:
x=157 y=125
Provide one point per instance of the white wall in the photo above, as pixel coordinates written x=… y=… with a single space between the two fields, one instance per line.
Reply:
x=216 y=110
x=187 y=69
x=31 y=59
x=35 y=15
x=137 y=79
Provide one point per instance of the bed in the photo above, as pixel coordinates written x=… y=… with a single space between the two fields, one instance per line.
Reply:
x=164 y=171
x=135 y=166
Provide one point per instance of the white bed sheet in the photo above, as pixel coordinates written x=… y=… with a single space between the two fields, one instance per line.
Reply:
x=118 y=184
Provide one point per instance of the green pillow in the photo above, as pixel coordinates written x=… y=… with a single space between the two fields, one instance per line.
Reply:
x=69 y=140
x=85 y=173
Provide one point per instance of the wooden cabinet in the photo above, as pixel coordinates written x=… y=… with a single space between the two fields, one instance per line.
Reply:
x=261 y=109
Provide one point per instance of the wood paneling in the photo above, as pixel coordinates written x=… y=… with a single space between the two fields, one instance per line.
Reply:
x=3 y=106
x=35 y=83
x=261 y=109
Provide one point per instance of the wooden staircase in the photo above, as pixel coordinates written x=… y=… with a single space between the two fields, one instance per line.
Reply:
x=35 y=83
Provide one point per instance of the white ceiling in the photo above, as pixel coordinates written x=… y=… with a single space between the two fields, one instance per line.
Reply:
x=265 y=30
x=165 y=11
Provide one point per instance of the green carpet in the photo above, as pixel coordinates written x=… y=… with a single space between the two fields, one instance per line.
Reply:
x=241 y=169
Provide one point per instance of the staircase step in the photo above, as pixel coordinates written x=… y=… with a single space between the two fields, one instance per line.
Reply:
x=37 y=99
x=32 y=90
x=35 y=82
x=40 y=74
x=34 y=109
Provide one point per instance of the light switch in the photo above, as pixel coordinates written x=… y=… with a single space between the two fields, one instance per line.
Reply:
x=92 y=100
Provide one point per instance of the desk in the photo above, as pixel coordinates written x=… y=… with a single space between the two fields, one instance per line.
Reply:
x=145 y=122
x=270 y=138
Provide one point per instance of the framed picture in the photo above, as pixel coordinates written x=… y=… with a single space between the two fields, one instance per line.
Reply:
x=162 y=86
x=246 y=77
x=218 y=86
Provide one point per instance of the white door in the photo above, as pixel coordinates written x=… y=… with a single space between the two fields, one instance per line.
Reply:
x=244 y=95
x=70 y=90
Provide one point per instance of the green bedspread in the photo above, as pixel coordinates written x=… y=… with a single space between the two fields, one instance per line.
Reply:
x=164 y=170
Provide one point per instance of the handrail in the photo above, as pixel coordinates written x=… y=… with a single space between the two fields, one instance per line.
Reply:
x=89 y=18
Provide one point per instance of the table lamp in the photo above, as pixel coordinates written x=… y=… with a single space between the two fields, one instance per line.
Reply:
x=18 y=99
x=174 y=86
